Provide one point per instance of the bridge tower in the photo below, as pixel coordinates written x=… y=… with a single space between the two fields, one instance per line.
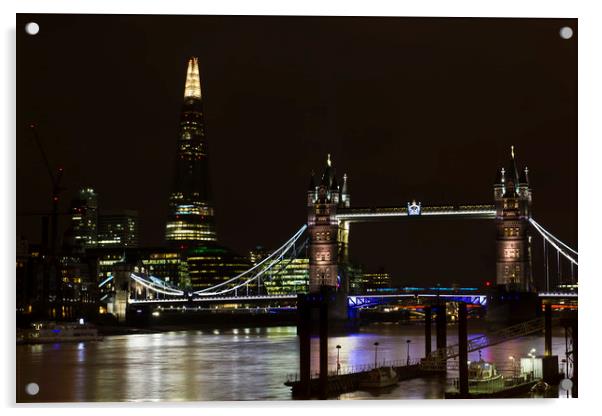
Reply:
x=118 y=303
x=322 y=224
x=512 y=194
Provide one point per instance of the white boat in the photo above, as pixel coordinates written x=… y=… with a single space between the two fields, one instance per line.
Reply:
x=52 y=332
x=379 y=378
x=482 y=372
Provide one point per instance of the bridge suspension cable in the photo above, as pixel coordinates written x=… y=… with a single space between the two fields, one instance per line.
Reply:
x=541 y=229
x=277 y=255
x=278 y=259
x=162 y=287
x=553 y=241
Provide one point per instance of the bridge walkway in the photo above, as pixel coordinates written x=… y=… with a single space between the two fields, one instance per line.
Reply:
x=436 y=359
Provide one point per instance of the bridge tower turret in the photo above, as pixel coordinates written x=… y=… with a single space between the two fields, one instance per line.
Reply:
x=312 y=191
x=345 y=196
x=323 y=228
x=512 y=196
x=343 y=239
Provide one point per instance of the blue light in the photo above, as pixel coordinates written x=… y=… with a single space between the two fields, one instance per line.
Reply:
x=56 y=331
x=105 y=281
x=386 y=289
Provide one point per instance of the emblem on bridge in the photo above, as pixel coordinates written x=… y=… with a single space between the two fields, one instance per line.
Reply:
x=414 y=208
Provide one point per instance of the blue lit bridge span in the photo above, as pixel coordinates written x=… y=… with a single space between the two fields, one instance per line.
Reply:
x=249 y=286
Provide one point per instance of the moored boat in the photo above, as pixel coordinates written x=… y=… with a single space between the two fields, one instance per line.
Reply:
x=379 y=378
x=52 y=332
x=482 y=372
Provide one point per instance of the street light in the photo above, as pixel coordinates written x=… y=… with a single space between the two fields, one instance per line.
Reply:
x=408 y=355
x=338 y=361
x=375 y=354
x=514 y=368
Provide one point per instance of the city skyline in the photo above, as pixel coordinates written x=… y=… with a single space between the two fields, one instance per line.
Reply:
x=434 y=139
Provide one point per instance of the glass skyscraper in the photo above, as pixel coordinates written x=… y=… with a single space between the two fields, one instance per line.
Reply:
x=84 y=218
x=191 y=216
x=118 y=228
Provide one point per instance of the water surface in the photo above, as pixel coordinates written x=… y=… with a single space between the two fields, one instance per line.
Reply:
x=232 y=364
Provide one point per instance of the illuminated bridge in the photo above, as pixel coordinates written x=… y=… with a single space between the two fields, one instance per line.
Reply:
x=248 y=287
x=446 y=211
x=326 y=236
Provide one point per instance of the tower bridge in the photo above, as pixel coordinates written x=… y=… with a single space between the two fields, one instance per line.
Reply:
x=330 y=214
x=326 y=234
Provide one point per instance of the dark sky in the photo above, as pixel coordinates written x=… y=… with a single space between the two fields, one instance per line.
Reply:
x=421 y=108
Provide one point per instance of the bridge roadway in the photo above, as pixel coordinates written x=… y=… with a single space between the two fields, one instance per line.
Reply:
x=354 y=301
x=476 y=211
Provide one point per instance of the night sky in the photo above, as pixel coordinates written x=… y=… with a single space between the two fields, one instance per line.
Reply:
x=408 y=107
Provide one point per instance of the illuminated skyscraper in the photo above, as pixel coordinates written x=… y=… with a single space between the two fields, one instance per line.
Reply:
x=84 y=218
x=211 y=264
x=293 y=278
x=191 y=220
x=118 y=228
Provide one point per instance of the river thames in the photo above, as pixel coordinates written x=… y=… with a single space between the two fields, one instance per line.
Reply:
x=243 y=363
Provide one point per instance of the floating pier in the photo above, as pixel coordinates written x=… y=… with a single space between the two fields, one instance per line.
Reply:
x=345 y=383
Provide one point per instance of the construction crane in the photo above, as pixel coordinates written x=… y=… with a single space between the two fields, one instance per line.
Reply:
x=57 y=189
x=50 y=259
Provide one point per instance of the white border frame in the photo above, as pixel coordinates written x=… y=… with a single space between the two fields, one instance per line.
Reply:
x=590 y=135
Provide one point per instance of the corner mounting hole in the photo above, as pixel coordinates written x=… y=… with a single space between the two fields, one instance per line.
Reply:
x=32 y=389
x=32 y=28
x=566 y=32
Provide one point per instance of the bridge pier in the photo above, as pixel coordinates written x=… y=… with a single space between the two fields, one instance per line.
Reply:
x=305 y=325
x=427 y=330
x=304 y=333
x=121 y=282
x=548 y=329
x=441 y=327
x=549 y=361
x=324 y=343
x=463 y=349
x=574 y=352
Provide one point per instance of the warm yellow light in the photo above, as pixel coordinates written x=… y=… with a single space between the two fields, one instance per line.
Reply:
x=193 y=80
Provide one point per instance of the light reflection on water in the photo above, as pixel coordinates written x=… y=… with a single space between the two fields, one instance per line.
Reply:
x=227 y=365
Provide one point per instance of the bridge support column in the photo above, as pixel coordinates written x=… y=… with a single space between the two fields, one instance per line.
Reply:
x=304 y=333
x=324 y=298
x=428 y=318
x=306 y=306
x=549 y=361
x=441 y=326
x=121 y=282
x=574 y=392
x=463 y=349
x=548 y=329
